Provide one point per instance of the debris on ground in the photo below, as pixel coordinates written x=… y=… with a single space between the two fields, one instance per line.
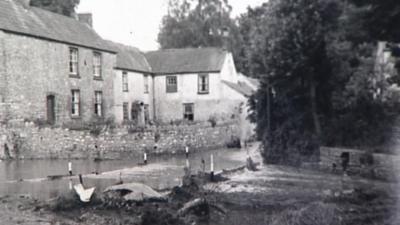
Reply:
x=135 y=192
x=84 y=194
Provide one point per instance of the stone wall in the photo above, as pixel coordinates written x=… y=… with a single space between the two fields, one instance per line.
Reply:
x=378 y=165
x=27 y=141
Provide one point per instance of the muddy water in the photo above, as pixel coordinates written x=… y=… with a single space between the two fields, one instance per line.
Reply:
x=29 y=177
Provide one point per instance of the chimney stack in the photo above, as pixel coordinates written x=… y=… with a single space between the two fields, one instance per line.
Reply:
x=86 y=18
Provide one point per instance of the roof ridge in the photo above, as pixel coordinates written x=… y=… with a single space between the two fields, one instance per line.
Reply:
x=186 y=49
x=44 y=24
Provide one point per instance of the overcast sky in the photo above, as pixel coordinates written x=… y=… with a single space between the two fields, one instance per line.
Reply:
x=137 y=22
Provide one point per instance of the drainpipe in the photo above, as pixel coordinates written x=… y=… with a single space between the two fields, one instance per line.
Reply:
x=154 y=97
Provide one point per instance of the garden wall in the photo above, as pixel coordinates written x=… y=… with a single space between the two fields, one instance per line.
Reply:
x=378 y=165
x=28 y=141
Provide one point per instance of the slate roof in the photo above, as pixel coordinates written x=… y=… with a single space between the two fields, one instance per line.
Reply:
x=189 y=60
x=130 y=58
x=32 y=21
x=240 y=87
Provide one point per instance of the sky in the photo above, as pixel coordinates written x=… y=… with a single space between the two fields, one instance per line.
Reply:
x=137 y=22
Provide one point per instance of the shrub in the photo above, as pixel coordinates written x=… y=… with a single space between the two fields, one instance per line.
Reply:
x=316 y=214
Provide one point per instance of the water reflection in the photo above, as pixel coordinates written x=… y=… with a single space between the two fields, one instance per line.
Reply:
x=30 y=176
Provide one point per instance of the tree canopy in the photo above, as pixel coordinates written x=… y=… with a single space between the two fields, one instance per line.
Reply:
x=64 y=7
x=320 y=85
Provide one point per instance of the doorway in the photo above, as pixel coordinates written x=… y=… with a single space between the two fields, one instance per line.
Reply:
x=51 y=112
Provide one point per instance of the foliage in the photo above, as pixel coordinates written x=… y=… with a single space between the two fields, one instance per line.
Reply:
x=205 y=23
x=192 y=23
x=64 y=7
x=316 y=61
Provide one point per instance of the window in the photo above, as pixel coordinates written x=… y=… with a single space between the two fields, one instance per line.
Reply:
x=203 y=84
x=188 y=111
x=125 y=81
x=146 y=84
x=172 y=84
x=146 y=113
x=75 y=103
x=73 y=61
x=98 y=103
x=125 y=111
x=97 y=64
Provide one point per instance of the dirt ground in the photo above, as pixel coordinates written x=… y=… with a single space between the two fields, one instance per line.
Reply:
x=271 y=196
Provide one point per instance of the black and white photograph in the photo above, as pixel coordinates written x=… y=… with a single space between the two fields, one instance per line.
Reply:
x=199 y=112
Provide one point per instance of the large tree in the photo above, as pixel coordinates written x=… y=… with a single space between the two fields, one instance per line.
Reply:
x=195 y=23
x=201 y=23
x=320 y=84
x=64 y=7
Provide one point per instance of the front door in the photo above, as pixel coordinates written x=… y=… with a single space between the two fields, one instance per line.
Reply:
x=51 y=113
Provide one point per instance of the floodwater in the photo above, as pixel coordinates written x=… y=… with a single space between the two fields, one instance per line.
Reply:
x=30 y=177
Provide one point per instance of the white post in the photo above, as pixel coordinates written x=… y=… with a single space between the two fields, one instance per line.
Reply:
x=145 y=158
x=187 y=163
x=187 y=151
x=70 y=168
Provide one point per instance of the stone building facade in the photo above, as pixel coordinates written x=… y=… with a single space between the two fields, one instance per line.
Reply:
x=133 y=87
x=46 y=76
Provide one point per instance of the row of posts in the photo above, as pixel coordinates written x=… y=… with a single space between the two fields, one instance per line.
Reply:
x=187 y=163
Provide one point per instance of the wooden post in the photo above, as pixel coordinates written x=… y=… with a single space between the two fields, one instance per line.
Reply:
x=80 y=179
x=212 y=168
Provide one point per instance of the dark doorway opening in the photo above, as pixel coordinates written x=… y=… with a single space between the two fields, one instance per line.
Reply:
x=51 y=112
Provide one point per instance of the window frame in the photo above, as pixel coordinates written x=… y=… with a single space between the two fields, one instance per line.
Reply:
x=75 y=103
x=201 y=84
x=171 y=87
x=97 y=64
x=125 y=82
x=187 y=114
x=146 y=110
x=73 y=61
x=146 y=83
x=98 y=103
x=125 y=111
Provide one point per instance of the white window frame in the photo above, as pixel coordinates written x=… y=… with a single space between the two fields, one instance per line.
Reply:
x=186 y=114
x=203 y=83
x=75 y=103
x=98 y=103
x=125 y=111
x=146 y=83
x=73 y=61
x=97 y=64
x=171 y=84
x=125 y=83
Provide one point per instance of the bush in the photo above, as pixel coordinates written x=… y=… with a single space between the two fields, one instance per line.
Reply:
x=316 y=214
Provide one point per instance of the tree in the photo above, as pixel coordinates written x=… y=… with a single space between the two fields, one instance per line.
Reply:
x=199 y=23
x=64 y=7
x=320 y=83
x=381 y=18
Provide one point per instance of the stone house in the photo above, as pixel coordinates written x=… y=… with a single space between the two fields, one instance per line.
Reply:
x=56 y=69
x=133 y=86
x=195 y=84
x=52 y=68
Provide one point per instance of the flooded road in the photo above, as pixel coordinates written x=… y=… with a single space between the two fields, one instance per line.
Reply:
x=29 y=177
